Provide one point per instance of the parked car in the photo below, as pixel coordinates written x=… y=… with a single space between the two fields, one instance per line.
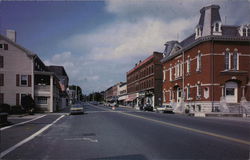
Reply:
x=165 y=108
x=148 y=107
x=76 y=109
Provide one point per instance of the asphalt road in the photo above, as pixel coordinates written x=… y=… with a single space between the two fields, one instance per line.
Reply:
x=125 y=133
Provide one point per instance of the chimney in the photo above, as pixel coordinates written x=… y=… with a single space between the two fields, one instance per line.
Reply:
x=11 y=34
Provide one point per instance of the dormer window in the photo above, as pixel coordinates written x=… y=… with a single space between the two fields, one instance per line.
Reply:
x=197 y=32
x=244 y=31
x=217 y=28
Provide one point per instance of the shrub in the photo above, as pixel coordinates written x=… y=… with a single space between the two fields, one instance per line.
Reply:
x=5 y=108
x=17 y=109
x=28 y=104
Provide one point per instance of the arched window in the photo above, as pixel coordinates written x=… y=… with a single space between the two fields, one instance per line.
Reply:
x=227 y=60
x=235 y=60
x=198 y=67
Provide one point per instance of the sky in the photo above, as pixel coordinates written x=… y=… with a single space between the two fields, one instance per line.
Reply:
x=97 y=42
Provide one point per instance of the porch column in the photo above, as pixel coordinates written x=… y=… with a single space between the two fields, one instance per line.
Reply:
x=243 y=91
x=222 y=91
x=51 y=94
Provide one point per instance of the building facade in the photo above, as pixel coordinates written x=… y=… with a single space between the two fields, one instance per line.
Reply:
x=23 y=73
x=144 y=82
x=64 y=82
x=122 y=93
x=209 y=70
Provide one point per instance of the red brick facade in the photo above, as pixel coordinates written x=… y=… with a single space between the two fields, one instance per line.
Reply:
x=145 y=80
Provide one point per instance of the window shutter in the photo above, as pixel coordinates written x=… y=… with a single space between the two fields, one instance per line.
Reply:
x=17 y=80
x=1 y=98
x=1 y=79
x=5 y=46
x=29 y=80
x=17 y=99
x=1 y=61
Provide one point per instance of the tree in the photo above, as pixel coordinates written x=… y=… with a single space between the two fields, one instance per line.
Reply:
x=28 y=104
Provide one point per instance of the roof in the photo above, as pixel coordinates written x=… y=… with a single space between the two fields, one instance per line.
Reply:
x=140 y=64
x=207 y=38
x=28 y=52
x=58 y=70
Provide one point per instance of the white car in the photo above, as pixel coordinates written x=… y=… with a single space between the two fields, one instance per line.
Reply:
x=165 y=108
x=76 y=109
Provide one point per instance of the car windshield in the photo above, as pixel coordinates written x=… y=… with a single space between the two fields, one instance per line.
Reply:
x=76 y=106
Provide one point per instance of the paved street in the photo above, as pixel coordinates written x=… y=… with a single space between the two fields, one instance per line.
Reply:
x=102 y=133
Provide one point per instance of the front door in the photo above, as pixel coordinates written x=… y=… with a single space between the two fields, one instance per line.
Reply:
x=178 y=96
x=231 y=92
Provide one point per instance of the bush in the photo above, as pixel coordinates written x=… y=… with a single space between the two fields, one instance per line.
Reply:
x=28 y=104
x=17 y=109
x=5 y=108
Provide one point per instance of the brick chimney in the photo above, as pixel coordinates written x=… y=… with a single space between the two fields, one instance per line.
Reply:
x=11 y=34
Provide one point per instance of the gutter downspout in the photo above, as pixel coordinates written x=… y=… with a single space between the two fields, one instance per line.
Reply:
x=183 y=79
x=213 y=75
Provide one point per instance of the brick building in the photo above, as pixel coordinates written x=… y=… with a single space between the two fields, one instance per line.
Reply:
x=209 y=70
x=111 y=94
x=144 y=82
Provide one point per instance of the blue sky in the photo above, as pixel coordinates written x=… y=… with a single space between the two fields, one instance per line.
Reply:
x=99 y=41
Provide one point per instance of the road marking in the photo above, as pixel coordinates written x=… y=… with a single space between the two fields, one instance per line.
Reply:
x=187 y=128
x=82 y=139
x=21 y=123
x=2 y=154
x=192 y=129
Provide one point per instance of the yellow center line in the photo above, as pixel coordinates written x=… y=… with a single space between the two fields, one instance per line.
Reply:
x=186 y=128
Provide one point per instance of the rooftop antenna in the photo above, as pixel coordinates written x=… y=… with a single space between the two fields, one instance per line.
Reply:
x=177 y=36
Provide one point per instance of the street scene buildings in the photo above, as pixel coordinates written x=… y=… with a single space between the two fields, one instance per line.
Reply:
x=206 y=72
x=23 y=73
x=190 y=100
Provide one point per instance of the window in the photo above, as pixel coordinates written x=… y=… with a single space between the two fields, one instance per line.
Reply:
x=170 y=73
x=188 y=92
x=1 y=79
x=1 y=61
x=235 y=61
x=164 y=98
x=24 y=80
x=164 y=75
x=5 y=46
x=198 y=67
x=188 y=65
x=227 y=60
x=198 y=91
x=180 y=66
x=216 y=27
x=1 y=46
x=244 y=30
x=229 y=91
x=22 y=96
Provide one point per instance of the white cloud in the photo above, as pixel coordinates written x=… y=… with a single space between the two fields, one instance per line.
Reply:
x=126 y=40
x=101 y=58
